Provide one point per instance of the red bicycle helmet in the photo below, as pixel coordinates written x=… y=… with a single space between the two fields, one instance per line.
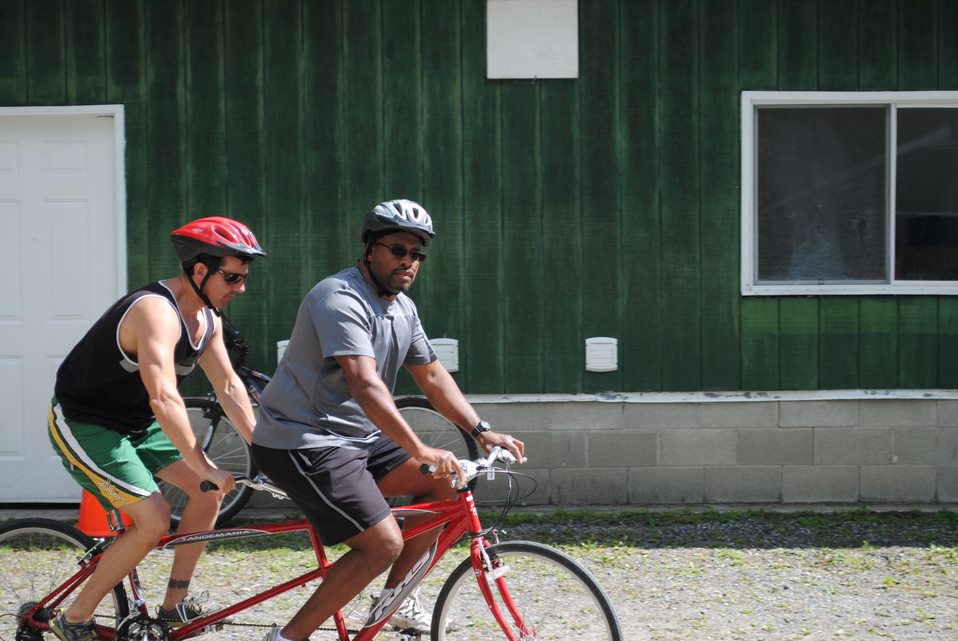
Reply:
x=215 y=236
x=208 y=240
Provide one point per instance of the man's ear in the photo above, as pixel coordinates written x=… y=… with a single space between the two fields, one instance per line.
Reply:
x=200 y=269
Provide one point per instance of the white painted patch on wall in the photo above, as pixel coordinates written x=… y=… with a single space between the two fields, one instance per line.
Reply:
x=532 y=39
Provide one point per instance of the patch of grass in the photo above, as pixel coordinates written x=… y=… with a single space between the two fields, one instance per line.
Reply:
x=712 y=528
x=730 y=531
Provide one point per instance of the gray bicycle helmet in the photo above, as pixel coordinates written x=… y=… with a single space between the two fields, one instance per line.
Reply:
x=398 y=215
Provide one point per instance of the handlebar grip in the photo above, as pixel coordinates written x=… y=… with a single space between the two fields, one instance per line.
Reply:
x=206 y=486
x=426 y=469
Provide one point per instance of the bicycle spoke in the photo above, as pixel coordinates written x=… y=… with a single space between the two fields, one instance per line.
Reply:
x=38 y=556
x=225 y=447
x=540 y=594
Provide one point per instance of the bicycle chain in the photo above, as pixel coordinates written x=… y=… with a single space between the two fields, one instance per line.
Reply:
x=269 y=625
x=403 y=635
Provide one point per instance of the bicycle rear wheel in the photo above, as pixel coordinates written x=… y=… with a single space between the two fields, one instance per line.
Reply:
x=39 y=555
x=554 y=598
x=225 y=447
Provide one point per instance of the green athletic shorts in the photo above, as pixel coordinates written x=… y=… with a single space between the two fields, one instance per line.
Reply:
x=117 y=469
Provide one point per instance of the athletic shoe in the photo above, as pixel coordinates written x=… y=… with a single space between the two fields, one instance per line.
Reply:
x=65 y=631
x=185 y=611
x=273 y=633
x=411 y=616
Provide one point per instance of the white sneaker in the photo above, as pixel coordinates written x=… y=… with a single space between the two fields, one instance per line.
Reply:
x=273 y=633
x=411 y=616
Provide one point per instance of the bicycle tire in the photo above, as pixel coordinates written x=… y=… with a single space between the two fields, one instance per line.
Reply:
x=435 y=430
x=557 y=598
x=225 y=448
x=38 y=556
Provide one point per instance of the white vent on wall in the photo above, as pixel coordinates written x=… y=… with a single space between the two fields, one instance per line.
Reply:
x=532 y=39
x=447 y=349
x=601 y=354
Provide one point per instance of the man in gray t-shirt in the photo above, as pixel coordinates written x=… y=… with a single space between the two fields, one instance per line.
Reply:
x=308 y=403
x=330 y=434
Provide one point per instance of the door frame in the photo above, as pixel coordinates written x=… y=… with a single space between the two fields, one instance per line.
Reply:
x=117 y=113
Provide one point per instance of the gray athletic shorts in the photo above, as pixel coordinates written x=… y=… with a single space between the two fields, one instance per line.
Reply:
x=335 y=487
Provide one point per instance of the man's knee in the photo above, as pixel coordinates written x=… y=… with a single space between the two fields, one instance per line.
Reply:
x=151 y=517
x=381 y=545
x=389 y=548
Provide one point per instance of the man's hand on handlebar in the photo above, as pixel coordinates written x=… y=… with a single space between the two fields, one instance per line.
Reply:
x=221 y=479
x=443 y=464
x=514 y=446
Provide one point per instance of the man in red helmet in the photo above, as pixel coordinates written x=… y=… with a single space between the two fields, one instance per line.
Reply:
x=117 y=418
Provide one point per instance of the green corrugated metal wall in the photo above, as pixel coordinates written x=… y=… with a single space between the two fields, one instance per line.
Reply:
x=602 y=206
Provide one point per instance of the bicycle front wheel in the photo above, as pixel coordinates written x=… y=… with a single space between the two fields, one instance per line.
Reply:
x=225 y=447
x=39 y=555
x=541 y=593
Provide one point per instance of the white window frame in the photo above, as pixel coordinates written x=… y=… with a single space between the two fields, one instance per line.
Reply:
x=751 y=101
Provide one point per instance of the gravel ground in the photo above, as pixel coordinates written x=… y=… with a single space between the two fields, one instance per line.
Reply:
x=774 y=576
x=703 y=577
x=682 y=576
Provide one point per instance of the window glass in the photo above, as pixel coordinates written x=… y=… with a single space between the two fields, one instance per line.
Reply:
x=821 y=192
x=926 y=208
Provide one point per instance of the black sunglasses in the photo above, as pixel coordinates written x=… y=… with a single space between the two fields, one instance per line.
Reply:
x=232 y=277
x=400 y=252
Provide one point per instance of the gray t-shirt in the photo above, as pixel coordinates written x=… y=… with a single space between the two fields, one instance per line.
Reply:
x=308 y=404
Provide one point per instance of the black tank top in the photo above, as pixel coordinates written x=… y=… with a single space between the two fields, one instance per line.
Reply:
x=99 y=383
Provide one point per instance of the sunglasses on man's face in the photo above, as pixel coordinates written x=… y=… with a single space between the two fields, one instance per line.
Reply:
x=232 y=277
x=400 y=252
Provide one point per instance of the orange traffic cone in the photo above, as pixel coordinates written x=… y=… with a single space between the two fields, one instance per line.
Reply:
x=93 y=518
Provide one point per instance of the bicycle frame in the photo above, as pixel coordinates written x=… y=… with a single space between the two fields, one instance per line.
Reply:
x=456 y=517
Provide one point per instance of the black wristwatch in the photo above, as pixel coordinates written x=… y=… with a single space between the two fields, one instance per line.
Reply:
x=481 y=428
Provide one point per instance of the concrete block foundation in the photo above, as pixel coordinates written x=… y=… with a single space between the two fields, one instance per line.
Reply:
x=699 y=449
x=839 y=448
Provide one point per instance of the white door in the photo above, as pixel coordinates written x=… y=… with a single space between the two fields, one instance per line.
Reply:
x=61 y=256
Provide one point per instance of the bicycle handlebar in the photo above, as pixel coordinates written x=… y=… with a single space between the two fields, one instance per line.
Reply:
x=259 y=482
x=472 y=470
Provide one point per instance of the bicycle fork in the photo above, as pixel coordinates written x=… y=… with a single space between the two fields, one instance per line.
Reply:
x=490 y=575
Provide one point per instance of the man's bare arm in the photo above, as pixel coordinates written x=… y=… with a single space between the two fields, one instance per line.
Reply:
x=227 y=385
